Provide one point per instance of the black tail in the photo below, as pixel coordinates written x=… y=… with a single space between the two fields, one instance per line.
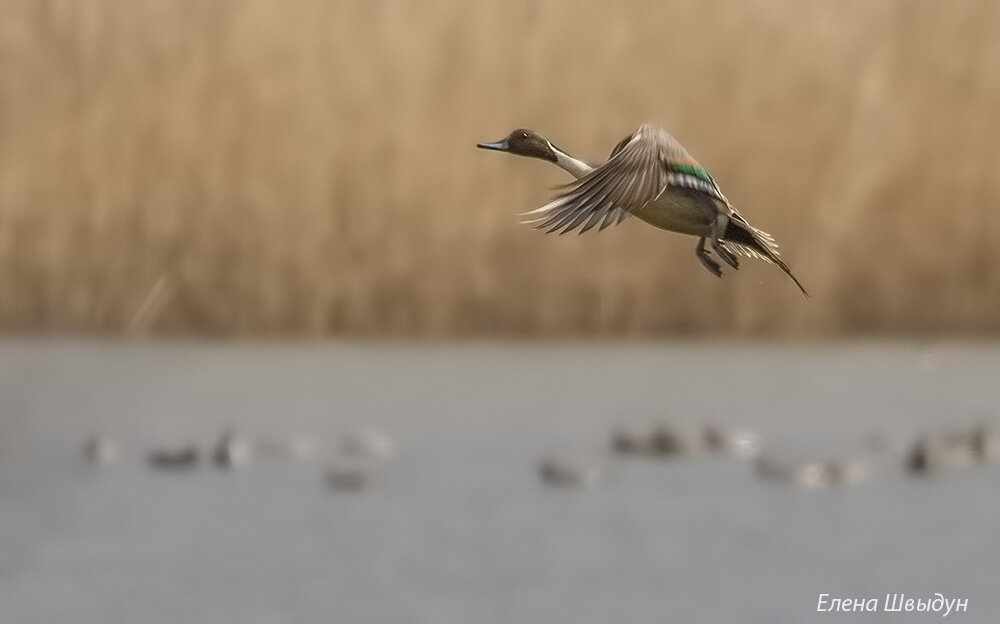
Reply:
x=748 y=240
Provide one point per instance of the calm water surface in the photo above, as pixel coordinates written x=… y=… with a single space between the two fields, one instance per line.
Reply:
x=457 y=527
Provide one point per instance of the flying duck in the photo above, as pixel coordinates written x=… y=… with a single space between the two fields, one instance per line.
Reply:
x=650 y=175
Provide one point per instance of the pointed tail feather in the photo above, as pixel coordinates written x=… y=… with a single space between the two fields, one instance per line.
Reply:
x=745 y=239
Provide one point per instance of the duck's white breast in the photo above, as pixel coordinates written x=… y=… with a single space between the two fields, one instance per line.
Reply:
x=680 y=210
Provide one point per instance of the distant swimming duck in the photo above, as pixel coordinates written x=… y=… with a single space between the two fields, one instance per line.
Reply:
x=562 y=473
x=986 y=444
x=231 y=450
x=183 y=457
x=733 y=441
x=650 y=175
x=349 y=477
x=946 y=451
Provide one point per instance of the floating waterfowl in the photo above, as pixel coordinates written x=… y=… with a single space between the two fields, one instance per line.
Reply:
x=630 y=441
x=231 y=450
x=807 y=474
x=986 y=444
x=561 y=473
x=815 y=474
x=738 y=442
x=849 y=471
x=184 y=457
x=349 y=477
x=650 y=175
x=672 y=441
x=938 y=453
x=664 y=440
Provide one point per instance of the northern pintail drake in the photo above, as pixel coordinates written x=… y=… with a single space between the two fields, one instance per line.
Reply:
x=650 y=175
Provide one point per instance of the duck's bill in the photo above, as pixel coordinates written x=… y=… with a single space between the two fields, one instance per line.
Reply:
x=500 y=146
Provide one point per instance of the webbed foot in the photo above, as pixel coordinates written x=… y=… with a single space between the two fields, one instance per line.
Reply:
x=706 y=260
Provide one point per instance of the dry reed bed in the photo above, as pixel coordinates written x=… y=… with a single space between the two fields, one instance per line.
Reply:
x=252 y=167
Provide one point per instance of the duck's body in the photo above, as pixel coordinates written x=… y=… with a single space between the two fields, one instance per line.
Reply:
x=651 y=176
x=680 y=210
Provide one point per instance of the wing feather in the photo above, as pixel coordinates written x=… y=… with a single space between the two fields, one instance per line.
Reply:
x=608 y=194
x=641 y=167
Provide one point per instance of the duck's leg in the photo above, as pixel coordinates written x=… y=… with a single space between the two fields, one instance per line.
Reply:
x=718 y=227
x=706 y=260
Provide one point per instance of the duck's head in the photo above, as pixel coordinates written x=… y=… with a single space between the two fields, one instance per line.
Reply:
x=524 y=142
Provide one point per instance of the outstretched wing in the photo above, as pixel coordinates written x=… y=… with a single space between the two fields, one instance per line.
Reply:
x=641 y=167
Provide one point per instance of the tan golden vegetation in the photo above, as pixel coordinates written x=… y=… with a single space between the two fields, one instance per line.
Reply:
x=260 y=167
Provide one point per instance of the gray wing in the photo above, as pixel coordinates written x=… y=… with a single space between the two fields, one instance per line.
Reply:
x=636 y=174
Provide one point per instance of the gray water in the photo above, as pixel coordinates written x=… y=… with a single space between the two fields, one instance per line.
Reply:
x=457 y=526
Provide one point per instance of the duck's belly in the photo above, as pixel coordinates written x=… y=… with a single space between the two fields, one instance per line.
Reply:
x=680 y=211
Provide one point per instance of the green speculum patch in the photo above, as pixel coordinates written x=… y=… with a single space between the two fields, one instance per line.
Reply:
x=693 y=170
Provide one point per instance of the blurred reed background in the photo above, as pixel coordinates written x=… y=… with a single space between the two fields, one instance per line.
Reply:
x=242 y=167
